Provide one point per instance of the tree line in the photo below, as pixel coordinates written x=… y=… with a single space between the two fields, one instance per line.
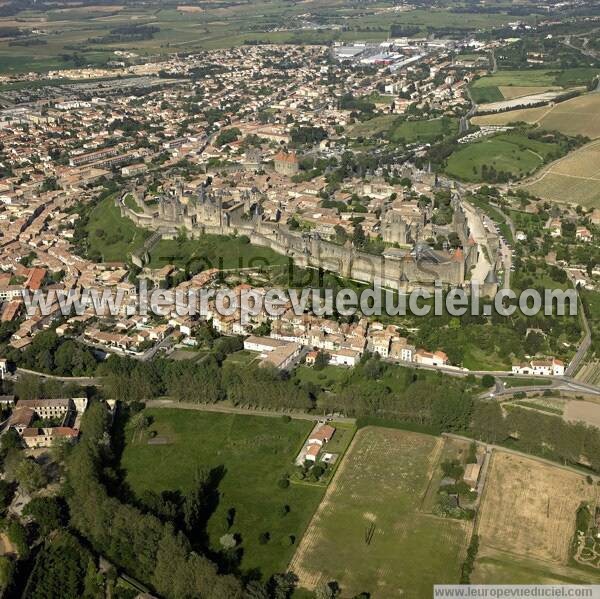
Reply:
x=373 y=389
x=545 y=435
x=146 y=548
x=165 y=552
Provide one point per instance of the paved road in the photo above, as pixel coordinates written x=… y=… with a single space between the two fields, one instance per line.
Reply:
x=494 y=61
x=81 y=380
x=583 y=49
x=169 y=403
x=523 y=455
x=568 y=382
x=143 y=357
x=479 y=234
x=568 y=385
x=464 y=121
x=585 y=344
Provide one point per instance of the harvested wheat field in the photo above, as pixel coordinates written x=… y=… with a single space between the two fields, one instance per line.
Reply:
x=369 y=534
x=582 y=411
x=526 y=115
x=578 y=116
x=527 y=520
x=574 y=179
x=510 y=92
x=589 y=373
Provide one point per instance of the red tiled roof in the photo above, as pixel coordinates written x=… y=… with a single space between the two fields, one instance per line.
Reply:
x=313 y=450
x=324 y=433
x=285 y=157
x=35 y=278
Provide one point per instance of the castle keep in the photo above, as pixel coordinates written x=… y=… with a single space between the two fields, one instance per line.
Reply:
x=203 y=211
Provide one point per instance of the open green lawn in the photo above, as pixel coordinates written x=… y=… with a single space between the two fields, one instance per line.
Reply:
x=378 y=98
x=214 y=251
x=399 y=131
x=524 y=382
x=255 y=452
x=423 y=131
x=510 y=153
x=369 y=533
x=242 y=357
x=132 y=204
x=477 y=359
x=111 y=236
x=373 y=126
x=325 y=378
x=398 y=379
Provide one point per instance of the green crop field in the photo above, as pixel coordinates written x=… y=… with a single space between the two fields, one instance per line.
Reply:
x=531 y=78
x=510 y=153
x=486 y=94
x=369 y=533
x=502 y=568
x=254 y=453
x=490 y=88
x=78 y=35
x=111 y=236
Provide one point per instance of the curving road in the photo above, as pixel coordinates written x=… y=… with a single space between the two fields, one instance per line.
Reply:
x=586 y=342
x=464 y=120
x=81 y=380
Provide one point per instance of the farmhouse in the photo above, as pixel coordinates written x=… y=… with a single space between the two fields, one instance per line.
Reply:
x=471 y=475
x=321 y=435
x=548 y=367
x=555 y=226
x=438 y=358
x=312 y=452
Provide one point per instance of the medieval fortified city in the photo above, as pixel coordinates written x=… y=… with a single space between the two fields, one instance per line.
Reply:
x=444 y=153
